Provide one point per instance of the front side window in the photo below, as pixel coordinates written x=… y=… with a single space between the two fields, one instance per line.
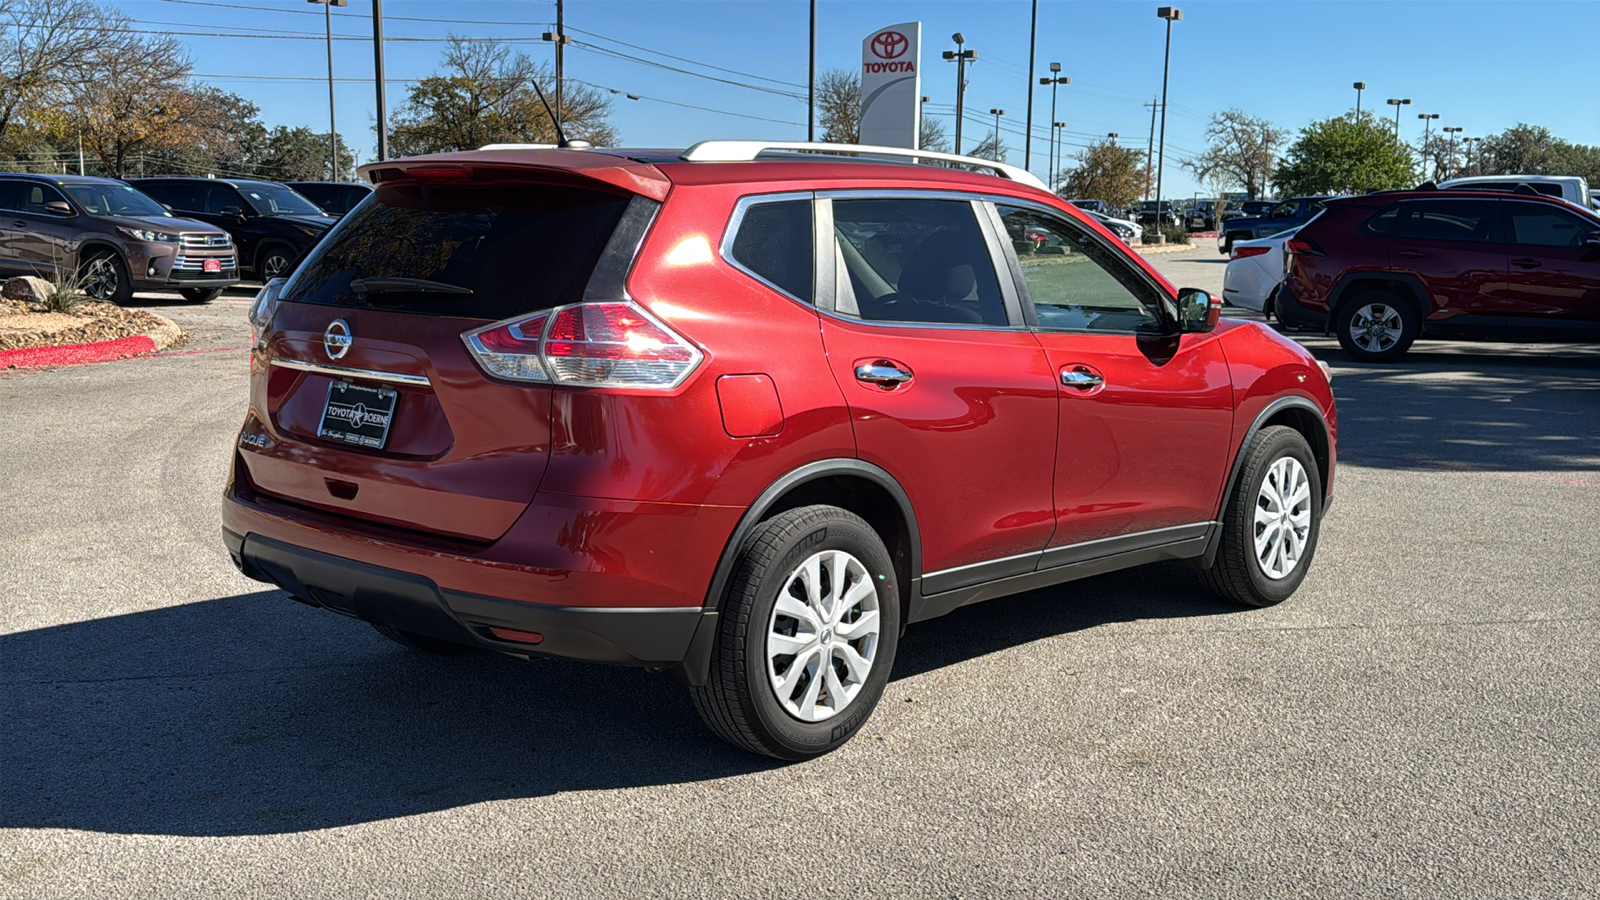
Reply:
x=221 y=197
x=773 y=242
x=1469 y=221
x=1537 y=225
x=1076 y=282
x=113 y=199
x=35 y=196
x=912 y=260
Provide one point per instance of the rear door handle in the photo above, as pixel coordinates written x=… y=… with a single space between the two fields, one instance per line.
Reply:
x=883 y=373
x=1081 y=378
x=18 y=223
x=1527 y=263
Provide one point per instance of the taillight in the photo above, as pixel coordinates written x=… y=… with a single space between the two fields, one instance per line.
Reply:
x=1244 y=252
x=1300 y=247
x=586 y=345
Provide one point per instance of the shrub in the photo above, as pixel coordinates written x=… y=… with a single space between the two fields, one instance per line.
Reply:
x=1173 y=234
x=66 y=291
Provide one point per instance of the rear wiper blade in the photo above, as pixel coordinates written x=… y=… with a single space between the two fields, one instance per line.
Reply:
x=364 y=286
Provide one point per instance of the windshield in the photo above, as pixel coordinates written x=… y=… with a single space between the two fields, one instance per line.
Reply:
x=109 y=199
x=277 y=200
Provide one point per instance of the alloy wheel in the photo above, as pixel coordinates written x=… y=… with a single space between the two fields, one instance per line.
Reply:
x=822 y=637
x=273 y=266
x=1376 y=327
x=1283 y=517
x=100 y=278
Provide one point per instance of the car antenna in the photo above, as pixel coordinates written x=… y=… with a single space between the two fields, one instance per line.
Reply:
x=561 y=138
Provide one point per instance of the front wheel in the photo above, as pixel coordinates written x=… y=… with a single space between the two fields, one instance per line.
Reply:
x=275 y=260
x=1377 y=326
x=807 y=636
x=200 y=295
x=104 y=277
x=1271 y=523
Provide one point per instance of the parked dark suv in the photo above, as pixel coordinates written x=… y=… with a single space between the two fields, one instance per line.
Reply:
x=271 y=224
x=334 y=197
x=116 y=239
x=1384 y=269
x=1282 y=215
x=740 y=413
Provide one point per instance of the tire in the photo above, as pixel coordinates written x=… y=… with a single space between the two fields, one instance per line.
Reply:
x=838 y=552
x=200 y=295
x=1228 y=241
x=420 y=641
x=104 y=276
x=1239 y=572
x=274 y=260
x=1376 y=326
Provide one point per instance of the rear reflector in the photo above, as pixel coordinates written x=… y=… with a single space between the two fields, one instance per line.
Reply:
x=1243 y=252
x=587 y=345
x=521 y=637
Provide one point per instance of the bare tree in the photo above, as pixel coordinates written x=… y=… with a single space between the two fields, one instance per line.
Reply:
x=485 y=95
x=1242 y=152
x=839 y=106
x=45 y=46
x=991 y=147
x=932 y=135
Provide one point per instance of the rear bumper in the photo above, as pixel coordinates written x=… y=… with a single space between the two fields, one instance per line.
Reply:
x=1291 y=313
x=413 y=603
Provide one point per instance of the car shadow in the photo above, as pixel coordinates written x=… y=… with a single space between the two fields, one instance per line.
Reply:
x=160 y=299
x=252 y=714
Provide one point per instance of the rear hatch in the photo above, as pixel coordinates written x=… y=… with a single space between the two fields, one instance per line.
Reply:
x=377 y=409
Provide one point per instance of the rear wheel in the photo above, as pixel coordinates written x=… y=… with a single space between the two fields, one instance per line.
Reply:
x=200 y=295
x=104 y=277
x=420 y=641
x=1228 y=241
x=1271 y=523
x=807 y=636
x=1376 y=326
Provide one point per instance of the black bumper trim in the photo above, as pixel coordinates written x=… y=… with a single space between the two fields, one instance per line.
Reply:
x=409 y=602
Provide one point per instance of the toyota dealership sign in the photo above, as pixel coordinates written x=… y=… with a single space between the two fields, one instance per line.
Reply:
x=891 y=86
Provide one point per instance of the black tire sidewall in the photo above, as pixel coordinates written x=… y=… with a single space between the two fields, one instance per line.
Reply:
x=1276 y=444
x=808 y=739
x=1409 y=325
x=124 y=291
x=200 y=295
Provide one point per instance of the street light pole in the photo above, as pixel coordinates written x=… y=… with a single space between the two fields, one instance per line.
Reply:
x=1427 y=123
x=1027 y=130
x=1055 y=138
x=377 y=59
x=333 y=130
x=960 y=56
x=1055 y=79
x=1452 y=131
x=1397 y=104
x=1171 y=14
x=997 y=113
x=1359 y=86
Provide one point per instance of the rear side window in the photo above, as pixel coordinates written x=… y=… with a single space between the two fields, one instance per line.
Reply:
x=1448 y=220
x=915 y=261
x=1384 y=224
x=773 y=242
x=185 y=195
x=1537 y=225
x=515 y=249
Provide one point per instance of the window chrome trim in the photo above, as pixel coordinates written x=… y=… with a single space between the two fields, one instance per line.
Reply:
x=735 y=221
x=345 y=372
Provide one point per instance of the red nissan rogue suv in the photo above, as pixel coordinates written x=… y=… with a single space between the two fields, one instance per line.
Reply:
x=741 y=413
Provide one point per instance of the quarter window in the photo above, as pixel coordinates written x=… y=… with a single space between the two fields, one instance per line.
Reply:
x=1075 y=281
x=774 y=243
x=924 y=261
x=1536 y=225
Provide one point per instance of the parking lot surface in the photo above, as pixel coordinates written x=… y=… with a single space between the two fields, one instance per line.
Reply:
x=1418 y=721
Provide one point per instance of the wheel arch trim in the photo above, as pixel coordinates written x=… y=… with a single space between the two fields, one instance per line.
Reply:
x=1419 y=296
x=1294 y=401
x=697 y=661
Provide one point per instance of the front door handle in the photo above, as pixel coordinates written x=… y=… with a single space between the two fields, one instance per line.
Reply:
x=1412 y=254
x=18 y=223
x=883 y=373
x=1082 y=378
x=1527 y=263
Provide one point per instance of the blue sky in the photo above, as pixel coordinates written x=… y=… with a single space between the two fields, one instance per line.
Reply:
x=1483 y=66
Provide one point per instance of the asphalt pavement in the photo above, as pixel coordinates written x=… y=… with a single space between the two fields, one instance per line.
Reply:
x=1418 y=721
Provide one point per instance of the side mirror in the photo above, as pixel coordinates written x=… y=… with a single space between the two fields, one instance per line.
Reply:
x=1593 y=240
x=1198 y=311
x=58 y=208
x=232 y=211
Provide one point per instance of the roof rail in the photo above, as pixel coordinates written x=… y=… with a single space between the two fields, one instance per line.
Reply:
x=518 y=147
x=731 y=151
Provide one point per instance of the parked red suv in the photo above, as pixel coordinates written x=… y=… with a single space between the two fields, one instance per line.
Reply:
x=1384 y=269
x=741 y=413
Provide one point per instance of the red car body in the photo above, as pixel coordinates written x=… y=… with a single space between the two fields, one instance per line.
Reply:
x=1449 y=264
x=601 y=523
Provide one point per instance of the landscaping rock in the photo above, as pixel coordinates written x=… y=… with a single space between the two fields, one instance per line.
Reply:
x=27 y=288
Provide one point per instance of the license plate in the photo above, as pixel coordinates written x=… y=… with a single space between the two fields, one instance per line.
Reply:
x=212 y=266
x=358 y=414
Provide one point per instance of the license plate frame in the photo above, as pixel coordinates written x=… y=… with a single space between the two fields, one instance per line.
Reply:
x=211 y=267
x=360 y=415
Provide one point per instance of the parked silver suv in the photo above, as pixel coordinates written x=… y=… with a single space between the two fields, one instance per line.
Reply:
x=113 y=236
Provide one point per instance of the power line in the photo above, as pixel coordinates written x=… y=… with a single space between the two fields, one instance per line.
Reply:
x=684 y=105
x=363 y=16
x=685 y=59
x=604 y=51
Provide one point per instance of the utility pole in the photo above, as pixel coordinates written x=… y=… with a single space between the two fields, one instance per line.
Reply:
x=333 y=129
x=1171 y=14
x=1150 y=148
x=1027 y=131
x=960 y=56
x=377 y=55
x=561 y=39
x=811 y=80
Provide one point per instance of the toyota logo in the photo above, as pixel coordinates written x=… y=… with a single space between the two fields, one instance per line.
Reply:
x=889 y=45
x=337 y=340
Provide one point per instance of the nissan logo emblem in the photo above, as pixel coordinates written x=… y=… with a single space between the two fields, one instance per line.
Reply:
x=337 y=340
x=889 y=45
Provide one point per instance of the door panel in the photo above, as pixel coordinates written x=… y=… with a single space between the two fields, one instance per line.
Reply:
x=946 y=390
x=1146 y=417
x=1552 y=275
x=1454 y=246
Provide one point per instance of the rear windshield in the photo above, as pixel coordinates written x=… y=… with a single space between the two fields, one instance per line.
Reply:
x=517 y=248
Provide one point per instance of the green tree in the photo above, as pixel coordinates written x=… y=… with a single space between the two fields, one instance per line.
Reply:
x=300 y=154
x=1241 y=152
x=1532 y=150
x=1345 y=155
x=1106 y=171
x=486 y=95
x=45 y=47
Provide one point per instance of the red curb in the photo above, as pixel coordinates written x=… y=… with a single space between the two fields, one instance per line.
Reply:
x=76 y=354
